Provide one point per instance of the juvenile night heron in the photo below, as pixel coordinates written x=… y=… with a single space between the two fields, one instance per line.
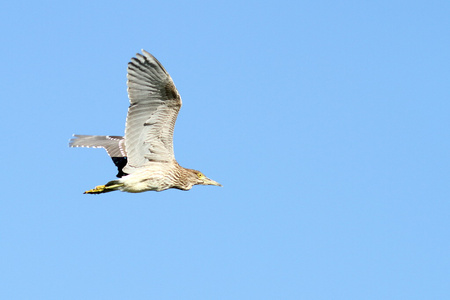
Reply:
x=144 y=156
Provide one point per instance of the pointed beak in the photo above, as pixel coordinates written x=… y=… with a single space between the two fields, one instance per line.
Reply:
x=208 y=181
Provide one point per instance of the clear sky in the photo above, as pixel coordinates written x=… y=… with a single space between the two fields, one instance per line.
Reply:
x=327 y=122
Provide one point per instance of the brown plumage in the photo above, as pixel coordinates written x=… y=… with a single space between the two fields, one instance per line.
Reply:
x=144 y=156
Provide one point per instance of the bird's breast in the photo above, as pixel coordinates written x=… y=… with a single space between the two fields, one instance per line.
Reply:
x=147 y=179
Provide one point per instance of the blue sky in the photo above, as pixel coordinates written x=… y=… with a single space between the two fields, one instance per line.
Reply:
x=327 y=122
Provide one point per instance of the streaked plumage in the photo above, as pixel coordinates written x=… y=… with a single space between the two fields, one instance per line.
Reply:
x=144 y=156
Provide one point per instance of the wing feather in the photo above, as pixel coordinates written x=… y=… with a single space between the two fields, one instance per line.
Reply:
x=114 y=145
x=154 y=106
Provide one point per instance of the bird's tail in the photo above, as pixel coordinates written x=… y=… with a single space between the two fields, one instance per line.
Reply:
x=113 y=185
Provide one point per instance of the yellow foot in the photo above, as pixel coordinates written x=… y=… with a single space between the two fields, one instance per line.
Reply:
x=97 y=190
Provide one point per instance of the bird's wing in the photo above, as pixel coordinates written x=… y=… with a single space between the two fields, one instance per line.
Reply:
x=154 y=106
x=114 y=145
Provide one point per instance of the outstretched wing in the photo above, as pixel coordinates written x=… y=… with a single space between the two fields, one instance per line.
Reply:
x=114 y=146
x=154 y=106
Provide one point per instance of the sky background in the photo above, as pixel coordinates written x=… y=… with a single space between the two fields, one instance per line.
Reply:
x=327 y=122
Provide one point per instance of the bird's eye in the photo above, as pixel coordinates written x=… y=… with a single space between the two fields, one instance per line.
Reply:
x=200 y=175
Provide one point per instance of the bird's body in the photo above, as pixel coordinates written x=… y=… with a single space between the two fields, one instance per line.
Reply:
x=144 y=156
x=158 y=177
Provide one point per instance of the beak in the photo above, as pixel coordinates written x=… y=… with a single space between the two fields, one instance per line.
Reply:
x=208 y=181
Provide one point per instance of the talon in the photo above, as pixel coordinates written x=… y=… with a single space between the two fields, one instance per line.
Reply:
x=98 y=189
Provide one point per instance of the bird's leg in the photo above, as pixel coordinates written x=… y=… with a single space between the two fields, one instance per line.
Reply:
x=109 y=187
x=97 y=190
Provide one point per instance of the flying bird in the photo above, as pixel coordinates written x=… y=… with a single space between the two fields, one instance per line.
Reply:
x=144 y=155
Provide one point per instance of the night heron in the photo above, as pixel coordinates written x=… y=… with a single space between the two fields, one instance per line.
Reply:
x=144 y=156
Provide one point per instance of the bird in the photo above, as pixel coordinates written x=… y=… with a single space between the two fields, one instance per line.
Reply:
x=144 y=156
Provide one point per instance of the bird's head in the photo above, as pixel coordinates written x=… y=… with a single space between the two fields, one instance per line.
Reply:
x=200 y=178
